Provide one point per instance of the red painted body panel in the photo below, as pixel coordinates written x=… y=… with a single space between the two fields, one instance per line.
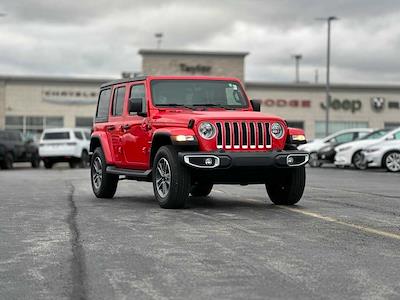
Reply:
x=102 y=136
x=131 y=148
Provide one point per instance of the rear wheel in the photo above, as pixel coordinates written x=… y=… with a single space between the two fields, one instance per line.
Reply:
x=287 y=186
x=104 y=185
x=313 y=161
x=8 y=161
x=201 y=189
x=358 y=161
x=84 y=161
x=391 y=161
x=171 y=180
x=48 y=164
x=35 y=160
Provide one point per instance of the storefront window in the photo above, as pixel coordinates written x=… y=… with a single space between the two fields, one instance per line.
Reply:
x=33 y=126
x=391 y=125
x=336 y=126
x=85 y=122
x=296 y=124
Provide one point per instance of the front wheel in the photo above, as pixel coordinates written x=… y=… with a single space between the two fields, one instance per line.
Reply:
x=104 y=185
x=358 y=161
x=171 y=180
x=287 y=186
x=8 y=162
x=313 y=160
x=391 y=161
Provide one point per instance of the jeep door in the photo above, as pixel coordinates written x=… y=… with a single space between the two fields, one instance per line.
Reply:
x=136 y=135
x=114 y=126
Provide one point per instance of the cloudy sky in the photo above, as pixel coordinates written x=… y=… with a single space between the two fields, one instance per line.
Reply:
x=101 y=37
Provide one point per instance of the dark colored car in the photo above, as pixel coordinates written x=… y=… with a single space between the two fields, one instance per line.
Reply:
x=14 y=148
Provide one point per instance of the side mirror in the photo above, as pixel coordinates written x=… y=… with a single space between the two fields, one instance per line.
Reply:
x=136 y=106
x=256 y=104
x=390 y=138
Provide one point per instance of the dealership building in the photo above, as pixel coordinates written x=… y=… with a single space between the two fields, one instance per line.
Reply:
x=31 y=104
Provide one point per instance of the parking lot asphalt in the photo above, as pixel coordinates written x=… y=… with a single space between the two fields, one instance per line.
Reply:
x=342 y=240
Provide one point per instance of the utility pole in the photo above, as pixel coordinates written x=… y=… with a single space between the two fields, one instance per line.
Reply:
x=159 y=36
x=297 y=58
x=328 y=61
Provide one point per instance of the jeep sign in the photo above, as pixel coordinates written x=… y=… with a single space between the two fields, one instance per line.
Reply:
x=350 y=105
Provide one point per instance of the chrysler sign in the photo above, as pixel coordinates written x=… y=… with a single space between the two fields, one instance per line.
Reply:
x=66 y=96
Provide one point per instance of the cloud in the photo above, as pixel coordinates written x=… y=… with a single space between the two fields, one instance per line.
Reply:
x=99 y=38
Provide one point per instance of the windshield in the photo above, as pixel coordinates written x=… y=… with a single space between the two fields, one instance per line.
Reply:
x=56 y=135
x=375 y=135
x=194 y=93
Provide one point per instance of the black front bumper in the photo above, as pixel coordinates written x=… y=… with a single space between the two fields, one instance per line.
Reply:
x=227 y=160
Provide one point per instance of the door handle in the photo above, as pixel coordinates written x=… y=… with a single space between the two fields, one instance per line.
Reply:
x=110 y=128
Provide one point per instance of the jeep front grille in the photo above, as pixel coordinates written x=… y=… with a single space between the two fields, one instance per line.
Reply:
x=243 y=135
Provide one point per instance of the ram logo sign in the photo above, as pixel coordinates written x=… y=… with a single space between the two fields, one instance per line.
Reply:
x=377 y=103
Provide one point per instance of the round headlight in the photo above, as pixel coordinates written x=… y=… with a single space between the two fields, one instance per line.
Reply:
x=277 y=130
x=207 y=130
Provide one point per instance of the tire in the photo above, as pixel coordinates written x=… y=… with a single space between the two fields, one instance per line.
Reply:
x=358 y=162
x=171 y=180
x=287 y=186
x=8 y=161
x=35 y=161
x=48 y=164
x=104 y=185
x=391 y=161
x=201 y=189
x=313 y=161
x=84 y=160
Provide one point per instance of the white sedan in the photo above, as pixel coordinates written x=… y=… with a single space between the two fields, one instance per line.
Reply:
x=339 y=137
x=350 y=153
x=386 y=154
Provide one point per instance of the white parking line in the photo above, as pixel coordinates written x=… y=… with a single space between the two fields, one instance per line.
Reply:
x=351 y=225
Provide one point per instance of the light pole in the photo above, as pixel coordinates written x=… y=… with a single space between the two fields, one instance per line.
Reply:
x=328 y=62
x=297 y=58
x=159 y=36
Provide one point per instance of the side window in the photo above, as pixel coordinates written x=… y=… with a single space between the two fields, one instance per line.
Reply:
x=103 y=105
x=344 y=138
x=138 y=91
x=118 y=102
x=87 y=135
x=397 y=135
x=78 y=135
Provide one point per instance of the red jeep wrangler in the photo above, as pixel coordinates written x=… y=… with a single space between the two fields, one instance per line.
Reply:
x=186 y=134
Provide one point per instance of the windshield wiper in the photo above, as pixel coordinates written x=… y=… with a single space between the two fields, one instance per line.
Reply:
x=174 y=105
x=213 y=105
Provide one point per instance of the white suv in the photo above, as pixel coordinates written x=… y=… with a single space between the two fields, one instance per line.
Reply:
x=65 y=145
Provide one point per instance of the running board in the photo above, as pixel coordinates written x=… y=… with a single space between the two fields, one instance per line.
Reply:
x=135 y=174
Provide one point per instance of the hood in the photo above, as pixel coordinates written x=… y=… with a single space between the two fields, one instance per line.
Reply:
x=178 y=118
x=313 y=146
x=357 y=144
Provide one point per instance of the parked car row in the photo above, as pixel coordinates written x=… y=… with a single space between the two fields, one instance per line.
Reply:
x=361 y=148
x=69 y=145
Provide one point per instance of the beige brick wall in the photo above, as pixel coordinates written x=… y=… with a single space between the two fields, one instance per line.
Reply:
x=169 y=64
x=27 y=99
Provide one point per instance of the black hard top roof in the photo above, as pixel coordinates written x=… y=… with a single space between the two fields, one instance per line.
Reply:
x=125 y=80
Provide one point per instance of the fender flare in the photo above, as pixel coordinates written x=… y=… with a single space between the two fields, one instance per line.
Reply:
x=100 y=139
